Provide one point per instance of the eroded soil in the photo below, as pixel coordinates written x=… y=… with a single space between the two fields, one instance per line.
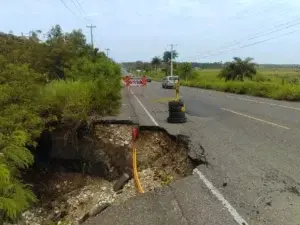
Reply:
x=68 y=197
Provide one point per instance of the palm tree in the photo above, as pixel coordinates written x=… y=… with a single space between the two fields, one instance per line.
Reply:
x=156 y=61
x=238 y=69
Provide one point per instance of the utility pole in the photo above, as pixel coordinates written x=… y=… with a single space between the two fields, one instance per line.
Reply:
x=107 y=49
x=92 y=38
x=172 y=46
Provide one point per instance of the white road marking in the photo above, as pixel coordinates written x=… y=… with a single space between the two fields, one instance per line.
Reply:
x=237 y=217
x=254 y=118
x=141 y=104
x=262 y=102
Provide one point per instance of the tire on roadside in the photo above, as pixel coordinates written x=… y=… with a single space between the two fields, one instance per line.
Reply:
x=177 y=109
x=177 y=120
x=177 y=114
x=175 y=103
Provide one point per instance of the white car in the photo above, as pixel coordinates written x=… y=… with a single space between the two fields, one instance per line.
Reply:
x=170 y=81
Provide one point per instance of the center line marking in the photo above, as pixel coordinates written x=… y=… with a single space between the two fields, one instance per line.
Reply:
x=262 y=102
x=237 y=217
x=254 y=118
x=144 y=108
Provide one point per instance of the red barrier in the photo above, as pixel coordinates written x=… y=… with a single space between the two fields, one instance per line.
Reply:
x=144 y=80
x=127 y=81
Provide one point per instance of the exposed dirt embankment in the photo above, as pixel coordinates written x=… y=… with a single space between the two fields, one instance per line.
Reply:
x=86 y=171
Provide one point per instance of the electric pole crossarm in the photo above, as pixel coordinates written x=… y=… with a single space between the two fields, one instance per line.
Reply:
x=92 y=37
x=107 y=50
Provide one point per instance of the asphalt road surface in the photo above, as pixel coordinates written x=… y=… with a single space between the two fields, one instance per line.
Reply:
x=252 y=147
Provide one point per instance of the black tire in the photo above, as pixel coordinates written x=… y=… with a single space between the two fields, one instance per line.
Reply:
x=175 y=104
x=177 y=120
x=177 y=114
x=175 y=109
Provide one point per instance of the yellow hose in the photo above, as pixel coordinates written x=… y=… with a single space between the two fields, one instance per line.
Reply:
x=135 y=172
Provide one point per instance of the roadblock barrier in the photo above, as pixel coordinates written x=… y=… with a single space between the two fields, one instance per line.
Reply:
x=140 y=83
x=130 y=81
x=176 y=112
x=176 y=108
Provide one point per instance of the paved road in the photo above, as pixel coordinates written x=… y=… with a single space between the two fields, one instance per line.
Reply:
x=252 y=147
x=187 y=201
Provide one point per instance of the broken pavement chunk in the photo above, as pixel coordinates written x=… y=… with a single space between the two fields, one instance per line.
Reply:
x=120 y=183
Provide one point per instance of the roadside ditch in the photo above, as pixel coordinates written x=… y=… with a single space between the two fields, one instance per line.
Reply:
x=80 y=173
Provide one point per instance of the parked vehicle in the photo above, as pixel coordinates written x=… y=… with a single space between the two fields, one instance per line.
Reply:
x=170 y=81
x=149 y=79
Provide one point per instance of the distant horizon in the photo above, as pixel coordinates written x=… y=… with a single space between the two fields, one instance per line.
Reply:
x=275 y=64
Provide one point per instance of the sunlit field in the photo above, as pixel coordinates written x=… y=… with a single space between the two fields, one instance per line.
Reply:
x=279 y=83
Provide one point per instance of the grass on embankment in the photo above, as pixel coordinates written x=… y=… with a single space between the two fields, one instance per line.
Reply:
x=280 y=84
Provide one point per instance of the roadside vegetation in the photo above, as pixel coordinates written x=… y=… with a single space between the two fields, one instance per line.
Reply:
x=42 y=85
x=240 y=76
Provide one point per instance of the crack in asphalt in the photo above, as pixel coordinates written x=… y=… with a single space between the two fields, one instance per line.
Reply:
x=204 y=160
x=179 y=206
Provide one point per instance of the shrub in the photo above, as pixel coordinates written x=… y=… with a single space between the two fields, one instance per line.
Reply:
x=262 y=85
x=41 y=82
x=67 y=99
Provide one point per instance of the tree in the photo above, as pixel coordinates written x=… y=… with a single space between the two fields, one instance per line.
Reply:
x=34 y=35
x=156 y=62
x=139 y=65
x=167 y=60
x=238 y=69
x=146 y=66
x=185 y=70
x=167 y=56
x=32 y=98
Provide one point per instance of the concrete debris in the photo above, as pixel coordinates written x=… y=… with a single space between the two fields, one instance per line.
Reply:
x=121 y=182
x=71 y=198
x=92 y=199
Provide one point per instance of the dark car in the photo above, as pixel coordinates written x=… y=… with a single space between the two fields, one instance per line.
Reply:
x=149 y=79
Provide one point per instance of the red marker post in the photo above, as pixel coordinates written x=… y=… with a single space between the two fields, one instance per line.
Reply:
x=127 y=81
x=144 y=83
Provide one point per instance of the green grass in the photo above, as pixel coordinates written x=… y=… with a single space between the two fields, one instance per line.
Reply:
x=281 y=84
x=156 y=75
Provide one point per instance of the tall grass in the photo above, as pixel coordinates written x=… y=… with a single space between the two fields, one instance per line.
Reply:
x=281 y=84
x=77 y=99
x=71 y=98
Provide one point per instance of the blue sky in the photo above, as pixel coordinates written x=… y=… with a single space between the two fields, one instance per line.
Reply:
x=140 y=29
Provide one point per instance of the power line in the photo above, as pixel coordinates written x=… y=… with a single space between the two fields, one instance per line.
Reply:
x=81 y=7
x=66 y=6
x=243 y=12
x=251 y=44
x=278 y=24
x=250 y=9
x=257 y=35
x=77 y=4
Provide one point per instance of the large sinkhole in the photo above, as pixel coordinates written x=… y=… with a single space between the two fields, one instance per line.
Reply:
x=80 y=173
